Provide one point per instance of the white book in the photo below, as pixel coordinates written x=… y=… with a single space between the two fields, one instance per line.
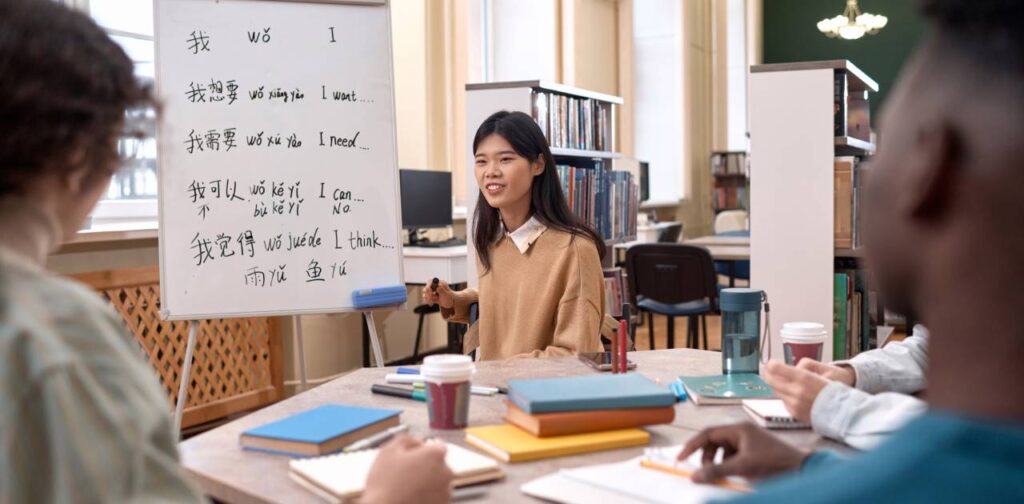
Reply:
x=341 y=477
x=772 y=414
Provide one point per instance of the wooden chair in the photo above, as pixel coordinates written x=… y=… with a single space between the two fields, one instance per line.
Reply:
x=238 y=363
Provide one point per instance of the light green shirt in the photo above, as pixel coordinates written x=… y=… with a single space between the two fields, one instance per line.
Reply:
x=82 y=417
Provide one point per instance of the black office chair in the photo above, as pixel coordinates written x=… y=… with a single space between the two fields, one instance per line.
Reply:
x=670 y=234
x=422 y=310
x=676 y=281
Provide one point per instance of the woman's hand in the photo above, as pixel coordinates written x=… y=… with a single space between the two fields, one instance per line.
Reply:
x=443 y=296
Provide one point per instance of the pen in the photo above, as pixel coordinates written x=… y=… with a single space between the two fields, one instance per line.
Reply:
x=408 y=371
x=474 y=389
x=376 y=439
x=434 y=283
x=678 y=471
x=417 y=395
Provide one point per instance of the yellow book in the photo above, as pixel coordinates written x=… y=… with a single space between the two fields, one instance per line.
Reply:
x=511 y=444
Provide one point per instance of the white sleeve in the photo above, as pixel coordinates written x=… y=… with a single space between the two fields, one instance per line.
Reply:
x=859 y=419
x=897 y=367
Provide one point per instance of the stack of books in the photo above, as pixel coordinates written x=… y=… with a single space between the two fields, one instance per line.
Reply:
x=566 y=416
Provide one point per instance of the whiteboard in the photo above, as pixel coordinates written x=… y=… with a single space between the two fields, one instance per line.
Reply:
x=277 y=156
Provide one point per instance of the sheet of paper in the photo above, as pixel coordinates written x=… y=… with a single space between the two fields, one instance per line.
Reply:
x=627 y=482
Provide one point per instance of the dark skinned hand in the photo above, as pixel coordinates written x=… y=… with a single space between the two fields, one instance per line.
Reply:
x=749 y=452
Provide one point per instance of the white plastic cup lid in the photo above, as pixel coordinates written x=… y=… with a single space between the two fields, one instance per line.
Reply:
x=803 y=332
x=447 y=368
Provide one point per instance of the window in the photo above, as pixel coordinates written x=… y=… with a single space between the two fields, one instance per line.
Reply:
x=133 y=190
x=658 y=95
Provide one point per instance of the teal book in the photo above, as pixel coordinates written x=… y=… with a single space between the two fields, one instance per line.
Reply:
x=588 y=393
x=725 y=389
x=319 y=431
x=839 y=324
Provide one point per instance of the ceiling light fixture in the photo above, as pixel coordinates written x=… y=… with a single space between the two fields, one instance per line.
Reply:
x=852 y=24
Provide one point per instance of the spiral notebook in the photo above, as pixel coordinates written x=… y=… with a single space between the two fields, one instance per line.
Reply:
x=342 y=477
x=772 y=414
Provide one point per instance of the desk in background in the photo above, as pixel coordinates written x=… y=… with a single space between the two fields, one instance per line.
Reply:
x=420 y=265
x=224 y=471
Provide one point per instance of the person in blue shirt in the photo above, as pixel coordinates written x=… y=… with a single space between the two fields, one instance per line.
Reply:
x=945 y=238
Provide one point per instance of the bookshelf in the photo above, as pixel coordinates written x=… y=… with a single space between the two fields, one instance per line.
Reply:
x=799 y=135
x=603 y=189
x=730 y=181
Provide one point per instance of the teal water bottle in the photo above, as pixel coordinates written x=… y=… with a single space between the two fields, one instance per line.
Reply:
x=741 y=325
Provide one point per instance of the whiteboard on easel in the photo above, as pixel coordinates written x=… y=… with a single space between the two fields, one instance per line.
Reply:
x=277 y=156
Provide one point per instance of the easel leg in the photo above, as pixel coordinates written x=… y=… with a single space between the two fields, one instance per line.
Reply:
x=374 y=340
x=300 y=351
x=186 y=370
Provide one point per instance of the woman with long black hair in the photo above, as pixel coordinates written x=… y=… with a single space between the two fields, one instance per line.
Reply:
x=541 y=289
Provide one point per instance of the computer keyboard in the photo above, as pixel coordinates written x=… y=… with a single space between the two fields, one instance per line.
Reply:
x=454 y=242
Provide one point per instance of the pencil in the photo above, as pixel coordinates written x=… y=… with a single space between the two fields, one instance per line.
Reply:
x=678 y=471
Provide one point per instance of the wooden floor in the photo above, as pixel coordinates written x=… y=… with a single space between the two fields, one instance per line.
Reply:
x=714 y=324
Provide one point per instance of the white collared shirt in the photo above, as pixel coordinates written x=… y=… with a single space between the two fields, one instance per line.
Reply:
x=864 y=416
x=526 y=234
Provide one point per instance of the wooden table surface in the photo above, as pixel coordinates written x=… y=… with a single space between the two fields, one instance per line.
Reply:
x=224 y=471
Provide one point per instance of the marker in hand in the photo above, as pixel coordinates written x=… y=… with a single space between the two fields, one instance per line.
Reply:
x=434 y=283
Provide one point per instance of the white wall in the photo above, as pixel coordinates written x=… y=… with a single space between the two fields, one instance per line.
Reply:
x=524 y=39
x=408 y=38
x=658 y=94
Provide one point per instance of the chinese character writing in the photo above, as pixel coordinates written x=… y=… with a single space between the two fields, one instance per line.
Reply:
x=203 y=250
x=195 y=141
x=314 y=272
x=198 y=42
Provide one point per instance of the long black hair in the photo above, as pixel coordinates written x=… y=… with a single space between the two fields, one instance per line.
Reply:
x=547 y=202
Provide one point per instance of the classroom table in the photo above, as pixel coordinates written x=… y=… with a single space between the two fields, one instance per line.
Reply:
x=224 y=471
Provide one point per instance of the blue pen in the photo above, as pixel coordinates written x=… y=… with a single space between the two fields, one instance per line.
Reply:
x=408 y=370
x=679 y=390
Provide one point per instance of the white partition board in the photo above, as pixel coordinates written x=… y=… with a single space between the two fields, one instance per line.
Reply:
x=791 y=221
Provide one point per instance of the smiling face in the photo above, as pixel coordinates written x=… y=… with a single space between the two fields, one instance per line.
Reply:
x=505 y=178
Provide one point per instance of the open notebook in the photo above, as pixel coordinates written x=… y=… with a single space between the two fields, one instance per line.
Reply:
x=772 y=414
x=341 y=477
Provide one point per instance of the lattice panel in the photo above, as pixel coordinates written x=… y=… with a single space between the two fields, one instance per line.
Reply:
x=232 y=356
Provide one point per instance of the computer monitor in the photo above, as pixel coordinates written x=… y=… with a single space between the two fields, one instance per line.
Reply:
x=426 y=199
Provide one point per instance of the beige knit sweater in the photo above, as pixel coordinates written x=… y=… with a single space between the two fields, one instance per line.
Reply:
x=546 y=302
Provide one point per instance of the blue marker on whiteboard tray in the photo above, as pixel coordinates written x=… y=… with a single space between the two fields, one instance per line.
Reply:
x=379 y=296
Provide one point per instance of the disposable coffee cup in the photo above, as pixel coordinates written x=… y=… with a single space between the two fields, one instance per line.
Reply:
x=803 y=340
x=447 y=379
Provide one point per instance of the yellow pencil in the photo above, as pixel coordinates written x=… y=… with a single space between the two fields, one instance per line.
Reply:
x=678 y=471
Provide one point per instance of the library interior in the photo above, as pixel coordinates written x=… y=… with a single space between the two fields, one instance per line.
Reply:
x=408 y=257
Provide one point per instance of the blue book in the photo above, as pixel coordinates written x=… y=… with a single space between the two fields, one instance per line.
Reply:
x=319 y=431
x=588 y=393
x=725 y=389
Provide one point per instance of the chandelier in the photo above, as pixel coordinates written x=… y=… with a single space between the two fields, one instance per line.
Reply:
x=852 y=24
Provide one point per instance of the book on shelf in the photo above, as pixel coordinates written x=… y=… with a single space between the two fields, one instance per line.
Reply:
x=855 y=314
x=572 y=122
x=852 y=110
x=726 y=164
x=614 y=291
x=849 y=192
x=604 y=199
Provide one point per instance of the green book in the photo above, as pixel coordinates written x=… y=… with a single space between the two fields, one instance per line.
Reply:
x=841 y=292
x=725 y=389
